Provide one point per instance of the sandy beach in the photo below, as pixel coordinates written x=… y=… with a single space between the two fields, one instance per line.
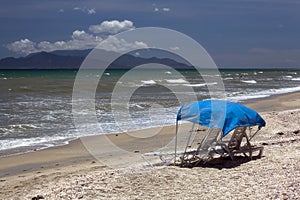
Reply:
x=71 y=172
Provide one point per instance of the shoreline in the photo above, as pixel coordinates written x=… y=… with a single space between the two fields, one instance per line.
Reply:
x=75 y=151
x=276 y=102
x=264 y=102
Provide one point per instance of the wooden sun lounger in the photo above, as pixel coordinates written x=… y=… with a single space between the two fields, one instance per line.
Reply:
x=235 y=146
x=202 y=153
x=239 y=143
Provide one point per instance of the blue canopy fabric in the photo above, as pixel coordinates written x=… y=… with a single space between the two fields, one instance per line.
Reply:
x=219 y=114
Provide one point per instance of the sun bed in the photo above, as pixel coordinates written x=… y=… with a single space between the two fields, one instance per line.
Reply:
x=238 y=144
x=222 y=119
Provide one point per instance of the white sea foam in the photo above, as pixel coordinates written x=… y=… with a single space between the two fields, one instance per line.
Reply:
x=195 y=85
x=294 y=73
x=288 y=77
x=268 y=79
x=246 y=97
x=168 y=72
x=26 y=142
x=210 y=75
x=137 y=106
x=249 y=81
x=265 y=93
x=107 y=73
x=296 y=79
x=228 y=78
x=148 y=82
x=48 y=117
x=200 y=84
x=180 y=80
x=21 y=126
x=16 y=128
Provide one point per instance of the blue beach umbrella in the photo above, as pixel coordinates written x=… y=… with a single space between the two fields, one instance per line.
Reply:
x=219 y=114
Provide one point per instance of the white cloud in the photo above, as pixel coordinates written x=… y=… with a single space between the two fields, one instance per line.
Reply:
x=89 y=11
x=165 y=9
x=80 y=39
x=22 y=46
x=82 y=35
x=112 y=27
x=113 y=43
x=61 y=10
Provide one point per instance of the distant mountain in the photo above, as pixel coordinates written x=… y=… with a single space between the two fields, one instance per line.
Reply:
x=72 y=59
x=42 y=60
x=80 y=53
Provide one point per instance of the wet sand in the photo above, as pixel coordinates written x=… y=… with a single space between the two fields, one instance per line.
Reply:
x=71 y=171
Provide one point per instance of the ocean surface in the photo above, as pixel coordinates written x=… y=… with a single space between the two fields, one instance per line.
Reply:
x=36 y=105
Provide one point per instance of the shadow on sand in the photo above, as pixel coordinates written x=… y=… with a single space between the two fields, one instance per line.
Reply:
x=223 y=162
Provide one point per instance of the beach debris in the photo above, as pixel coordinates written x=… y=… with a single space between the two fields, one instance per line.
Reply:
x=136 y=151
x=37 y=197
x=296 y=131
x=280 y=133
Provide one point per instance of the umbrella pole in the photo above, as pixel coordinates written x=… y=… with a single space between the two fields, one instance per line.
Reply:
x=254 y=133
x=176 y=142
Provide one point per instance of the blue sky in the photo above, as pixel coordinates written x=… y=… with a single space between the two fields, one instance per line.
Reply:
x=236 y=33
